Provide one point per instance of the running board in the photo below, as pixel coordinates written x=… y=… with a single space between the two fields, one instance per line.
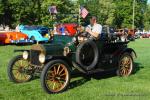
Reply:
x=85 y=71
x=95 y=71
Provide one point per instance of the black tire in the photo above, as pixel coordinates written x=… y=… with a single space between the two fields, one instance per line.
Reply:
x=49 y=67
x=127 y=68
x=10 y=70
x=95 y=52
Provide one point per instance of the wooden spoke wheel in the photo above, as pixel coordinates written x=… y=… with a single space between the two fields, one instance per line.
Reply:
x=18 y=70
x=55 y=76
x=125 y=65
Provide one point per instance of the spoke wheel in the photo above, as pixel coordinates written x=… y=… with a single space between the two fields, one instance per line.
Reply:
x=125 y=65
x=17 y=70
x=55 y=76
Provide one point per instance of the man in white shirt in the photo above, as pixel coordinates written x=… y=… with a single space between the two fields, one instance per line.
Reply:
x=94 y=29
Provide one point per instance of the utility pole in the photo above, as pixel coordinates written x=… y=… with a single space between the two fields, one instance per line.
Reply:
x=79 y=20
x=133 y=23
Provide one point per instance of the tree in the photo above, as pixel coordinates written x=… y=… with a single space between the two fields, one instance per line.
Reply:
x=124 y=13
x=104 y=10
x=147 y=18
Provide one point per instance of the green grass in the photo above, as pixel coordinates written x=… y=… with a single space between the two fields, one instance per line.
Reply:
x=135 y=87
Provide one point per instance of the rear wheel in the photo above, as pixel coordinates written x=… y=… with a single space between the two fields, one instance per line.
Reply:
x=55 y=77
x=18 y=70
x=125 y=65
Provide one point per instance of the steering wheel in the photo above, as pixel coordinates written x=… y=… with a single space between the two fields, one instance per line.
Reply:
x=84 y=35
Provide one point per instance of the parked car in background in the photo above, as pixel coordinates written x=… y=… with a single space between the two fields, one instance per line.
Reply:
x=146 y=35
x=138 y=34
x=69 y=29
x=13 y=37
x=36 y=33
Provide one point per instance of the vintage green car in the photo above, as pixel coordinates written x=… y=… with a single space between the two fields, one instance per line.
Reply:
x=56 y=61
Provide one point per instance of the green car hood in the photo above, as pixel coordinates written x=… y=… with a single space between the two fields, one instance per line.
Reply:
x=55 y=48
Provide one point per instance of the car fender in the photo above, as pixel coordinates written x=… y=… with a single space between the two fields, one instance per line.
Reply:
x=130 y=51
x=34 y=33
x=50 y=58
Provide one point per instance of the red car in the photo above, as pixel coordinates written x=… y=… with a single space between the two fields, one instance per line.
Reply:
x=68 y=29
x=71 y=28
x=146 y=35
x=13 y=37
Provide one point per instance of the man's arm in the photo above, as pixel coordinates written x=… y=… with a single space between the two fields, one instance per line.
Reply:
x=95 y=32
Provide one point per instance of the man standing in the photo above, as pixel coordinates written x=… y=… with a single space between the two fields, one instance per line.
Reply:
x=94 y=29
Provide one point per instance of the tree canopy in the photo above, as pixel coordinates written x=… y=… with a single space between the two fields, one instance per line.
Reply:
x=117 y=13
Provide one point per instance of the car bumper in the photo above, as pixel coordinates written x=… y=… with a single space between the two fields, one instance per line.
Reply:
x=21 y=41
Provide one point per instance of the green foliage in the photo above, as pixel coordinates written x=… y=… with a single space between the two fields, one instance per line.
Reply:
x=117 y=13
x=147 y=18
x=103 y=9
x=124 y=13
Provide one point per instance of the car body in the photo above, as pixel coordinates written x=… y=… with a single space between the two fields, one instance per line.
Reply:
x=71 y=28
x=13 y=37
x=58 y=60
x=146 y=35
x=36 y=33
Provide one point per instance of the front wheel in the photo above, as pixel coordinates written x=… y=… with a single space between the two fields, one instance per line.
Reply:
x=55 y=77
x=125 y=65
x=18 y=69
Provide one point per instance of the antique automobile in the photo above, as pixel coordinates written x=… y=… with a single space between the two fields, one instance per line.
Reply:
x=36 y=33
x=13 y=38
x=58 y=60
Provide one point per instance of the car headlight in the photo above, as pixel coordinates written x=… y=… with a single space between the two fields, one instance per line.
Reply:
x=42 y=58
x=25 y=55
x=66 y=51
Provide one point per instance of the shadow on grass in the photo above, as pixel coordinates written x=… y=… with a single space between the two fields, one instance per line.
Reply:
x=137 y=67
x=99 y=75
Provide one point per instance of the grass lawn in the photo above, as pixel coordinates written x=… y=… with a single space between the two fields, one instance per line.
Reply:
x=106 y=87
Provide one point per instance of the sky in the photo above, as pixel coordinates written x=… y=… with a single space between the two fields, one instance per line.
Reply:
x=148 y=1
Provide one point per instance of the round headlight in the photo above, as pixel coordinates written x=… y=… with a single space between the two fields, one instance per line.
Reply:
x=42 y=58
x=25 y=55
x=66 y=51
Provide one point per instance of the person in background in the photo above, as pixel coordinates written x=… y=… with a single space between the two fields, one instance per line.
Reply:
x=17 y=28
x=55 y=29
x=62 y=29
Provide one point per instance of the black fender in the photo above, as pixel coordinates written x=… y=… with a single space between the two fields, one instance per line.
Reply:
x=52 y=57
x=130 y=51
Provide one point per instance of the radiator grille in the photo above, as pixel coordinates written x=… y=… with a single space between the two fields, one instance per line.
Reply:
x=34 y=57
